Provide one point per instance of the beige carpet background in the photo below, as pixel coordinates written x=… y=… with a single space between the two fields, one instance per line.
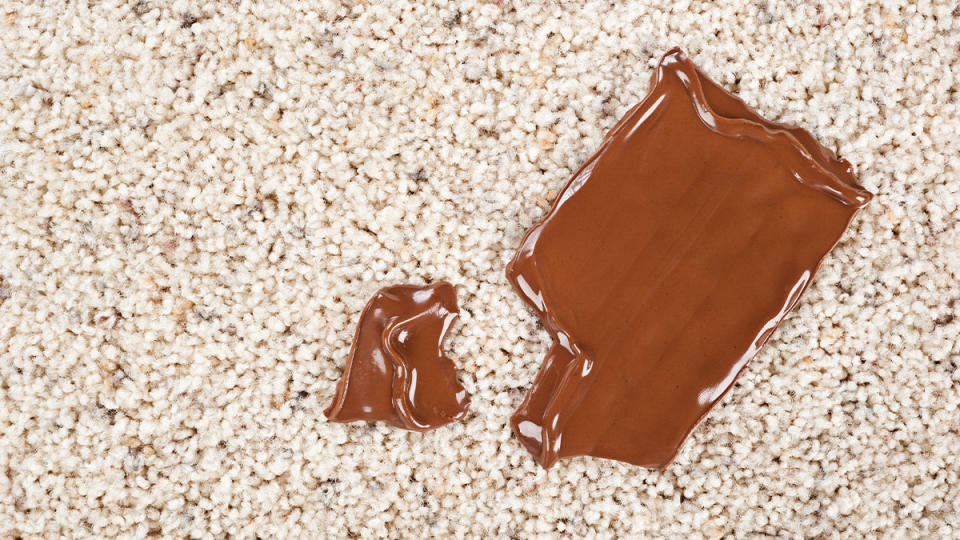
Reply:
x=197 y=199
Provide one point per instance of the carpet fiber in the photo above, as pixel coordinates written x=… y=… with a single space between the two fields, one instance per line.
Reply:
x=197 y=199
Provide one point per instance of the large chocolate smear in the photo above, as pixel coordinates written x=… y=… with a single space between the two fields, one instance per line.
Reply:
x=666 y=263
x=396 y=371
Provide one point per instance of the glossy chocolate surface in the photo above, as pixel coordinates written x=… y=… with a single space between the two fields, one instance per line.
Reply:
x=396 y=371
x=665 y=264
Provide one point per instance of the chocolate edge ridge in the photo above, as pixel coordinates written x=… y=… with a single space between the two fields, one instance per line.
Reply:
x=858 y=196
x=400 y=378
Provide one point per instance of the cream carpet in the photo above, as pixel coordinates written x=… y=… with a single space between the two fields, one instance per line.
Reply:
x=197 y=199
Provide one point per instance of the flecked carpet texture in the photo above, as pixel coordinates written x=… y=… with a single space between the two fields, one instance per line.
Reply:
x=197 y=199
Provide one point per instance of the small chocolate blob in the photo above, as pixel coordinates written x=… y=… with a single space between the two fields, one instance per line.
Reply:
x=396 y=371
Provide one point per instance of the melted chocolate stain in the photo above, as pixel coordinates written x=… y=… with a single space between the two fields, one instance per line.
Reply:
x=666 y=263
x=396 y=371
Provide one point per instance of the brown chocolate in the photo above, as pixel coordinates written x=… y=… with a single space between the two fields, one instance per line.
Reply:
x=396 y=371
x=666 y=262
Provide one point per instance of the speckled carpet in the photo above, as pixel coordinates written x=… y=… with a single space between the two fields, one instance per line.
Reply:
x=197 y=199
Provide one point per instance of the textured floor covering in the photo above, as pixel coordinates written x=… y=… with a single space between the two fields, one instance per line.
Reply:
x=196 y=200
